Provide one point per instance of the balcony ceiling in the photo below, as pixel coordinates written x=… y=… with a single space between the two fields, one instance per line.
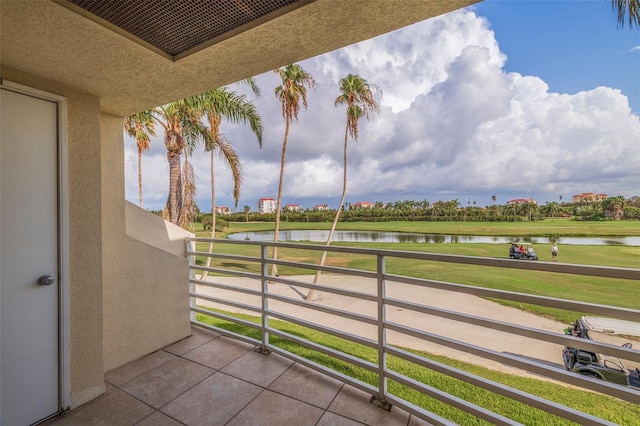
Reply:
x=179 y=28
x=136 y=55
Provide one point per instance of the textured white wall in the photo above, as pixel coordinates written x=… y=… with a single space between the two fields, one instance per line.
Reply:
x=146 y=274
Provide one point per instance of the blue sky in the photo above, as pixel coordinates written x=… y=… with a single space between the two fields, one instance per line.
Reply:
x=535 y=99
x=572 y=45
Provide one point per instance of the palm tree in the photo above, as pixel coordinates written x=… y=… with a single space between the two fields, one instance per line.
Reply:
x=614 y=207
x=453 y=204
x=222 y=103
x=359 y=97
x=247 y=209
x=140 y=126
x=493 y=199
x=181 y=121
x=184 y=129
x=514 y=207
x=531 y=209
x=290 y=93
x=629 y=9
x=552 y=208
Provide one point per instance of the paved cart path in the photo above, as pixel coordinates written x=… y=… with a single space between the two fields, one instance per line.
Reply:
x=484 y=337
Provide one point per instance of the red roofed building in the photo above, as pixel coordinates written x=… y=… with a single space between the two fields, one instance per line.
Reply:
x=522 y=201
x=293 y=207
x=362 y=205
x=223 y=210
x=588 y=197
x=266 y=205
x=321 y=207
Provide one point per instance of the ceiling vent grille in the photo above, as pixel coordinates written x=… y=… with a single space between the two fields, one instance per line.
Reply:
x=180 y=27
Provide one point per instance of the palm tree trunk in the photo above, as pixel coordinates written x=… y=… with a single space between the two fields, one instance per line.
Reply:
x=316 y=279
x=274 y=267
x=213 y=216
x=140 y=176
x=174 y=202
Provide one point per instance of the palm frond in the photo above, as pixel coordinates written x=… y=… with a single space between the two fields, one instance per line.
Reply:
x=251 y=82
x=360 y=98
x=227 y=153
x=627 y=8
x=234 y=107
x=293 y=90
x=141 y=127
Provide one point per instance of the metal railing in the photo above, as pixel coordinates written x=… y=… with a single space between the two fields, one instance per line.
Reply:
x=242 y=283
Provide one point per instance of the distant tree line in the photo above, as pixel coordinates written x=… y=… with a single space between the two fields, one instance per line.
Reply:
x=612 y=208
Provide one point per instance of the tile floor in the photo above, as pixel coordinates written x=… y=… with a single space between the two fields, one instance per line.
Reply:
x=208 y=379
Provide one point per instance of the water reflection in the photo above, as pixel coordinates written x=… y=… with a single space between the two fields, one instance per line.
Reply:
x=406 y=237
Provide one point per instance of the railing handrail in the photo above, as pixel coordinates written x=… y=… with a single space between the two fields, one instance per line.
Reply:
x=566 y=268
x=383 y=325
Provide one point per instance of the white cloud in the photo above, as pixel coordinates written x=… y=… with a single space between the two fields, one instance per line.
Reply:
x=452 y=122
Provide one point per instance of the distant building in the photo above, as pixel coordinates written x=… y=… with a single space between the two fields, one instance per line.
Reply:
x=362 y=205
x=522 y=201
x=293 y=207
x=321 y=207
x=266 y=205
x=588 y=197
x=220 y=210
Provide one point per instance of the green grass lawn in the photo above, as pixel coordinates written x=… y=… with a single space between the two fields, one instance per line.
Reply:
x=615 y=292
x=605 y=407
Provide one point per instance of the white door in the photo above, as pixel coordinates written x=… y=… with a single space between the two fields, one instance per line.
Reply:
x=29 y=260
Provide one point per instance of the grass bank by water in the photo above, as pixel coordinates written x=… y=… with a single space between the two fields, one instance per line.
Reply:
x=557 y=227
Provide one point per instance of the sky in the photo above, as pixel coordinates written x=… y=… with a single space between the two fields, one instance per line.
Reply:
x=517 y=99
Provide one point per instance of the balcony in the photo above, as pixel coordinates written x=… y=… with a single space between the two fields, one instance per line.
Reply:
x=209 y=379
x=239 y=366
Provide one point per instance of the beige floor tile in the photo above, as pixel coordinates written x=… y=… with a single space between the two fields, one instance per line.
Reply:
x=272 y=409
x=354 y=404
x=134 y=369
x=257 y=368
x=113 y=408
x=333 y=419
x=158 y=419
x=307 y=385
x=219 y=352
x=214 y=401
x=162 y=384
x=199 y=337
x=417 y=421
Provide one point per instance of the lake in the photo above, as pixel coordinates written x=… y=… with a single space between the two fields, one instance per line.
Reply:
x=405 y=237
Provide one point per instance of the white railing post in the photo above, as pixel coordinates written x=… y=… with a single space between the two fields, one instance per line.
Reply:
x=191 y=247
x=264 y=252
x=380 y=400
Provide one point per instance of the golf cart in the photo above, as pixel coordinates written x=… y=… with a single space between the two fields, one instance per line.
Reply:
x=599 y=366
x=522 y=251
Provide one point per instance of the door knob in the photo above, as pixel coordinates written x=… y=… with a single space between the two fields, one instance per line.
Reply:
x=46 y=280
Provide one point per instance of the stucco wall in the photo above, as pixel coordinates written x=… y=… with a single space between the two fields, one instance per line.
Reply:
x=154 y=230
x=127 y=298
x=146 y=291
x=85 y=248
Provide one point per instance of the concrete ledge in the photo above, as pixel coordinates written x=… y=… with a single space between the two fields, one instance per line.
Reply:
x=155 y=231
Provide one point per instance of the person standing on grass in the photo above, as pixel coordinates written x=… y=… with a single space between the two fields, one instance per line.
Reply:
x=554 y=252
